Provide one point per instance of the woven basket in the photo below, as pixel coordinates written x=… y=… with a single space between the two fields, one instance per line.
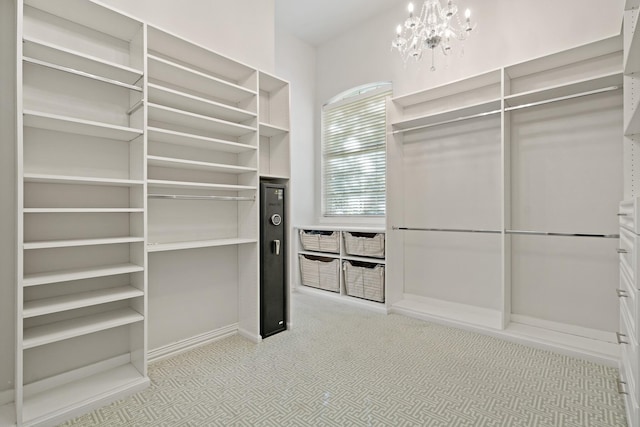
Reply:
x=320 y=272
x=320 y=241
x=364 y=244
x=364 y=280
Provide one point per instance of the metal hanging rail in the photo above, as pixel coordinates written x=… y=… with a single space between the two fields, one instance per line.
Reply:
x=446 y=122
x=563 y=98
x=448 y=230
x=80 y=73
x=548 y=233
x=522 y=232
x=192 y=197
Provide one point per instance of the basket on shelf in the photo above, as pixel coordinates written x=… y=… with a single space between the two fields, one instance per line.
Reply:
x=364 y=280
x=320 y=272
x=320 y=241
x=364 y=244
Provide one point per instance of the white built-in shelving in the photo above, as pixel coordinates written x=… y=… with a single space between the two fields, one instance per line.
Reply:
x=131 y=141
x=628 y=333
x=81 y=198
x=510 y=150
x=274 y=127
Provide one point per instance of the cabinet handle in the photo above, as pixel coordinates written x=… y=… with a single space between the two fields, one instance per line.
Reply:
x=619 y=337
x=623 y=214
x=622 y=293
x=621 y=385
x=622 y=251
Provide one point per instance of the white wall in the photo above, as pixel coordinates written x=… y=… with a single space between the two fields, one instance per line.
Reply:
x=240 y=29
x=295 y=61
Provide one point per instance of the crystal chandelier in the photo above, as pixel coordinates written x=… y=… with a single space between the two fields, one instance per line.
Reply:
x=435 y=26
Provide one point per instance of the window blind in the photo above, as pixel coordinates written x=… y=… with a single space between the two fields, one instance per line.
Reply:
x=353 y=152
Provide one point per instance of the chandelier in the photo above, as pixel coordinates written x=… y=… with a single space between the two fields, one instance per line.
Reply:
x=435 y=26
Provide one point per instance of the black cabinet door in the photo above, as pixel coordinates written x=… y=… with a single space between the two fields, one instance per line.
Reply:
x=272 y=259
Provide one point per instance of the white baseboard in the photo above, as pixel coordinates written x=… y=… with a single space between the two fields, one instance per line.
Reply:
x=248 y=335
x=334 y=296
x=190 y=343
x=582 y=343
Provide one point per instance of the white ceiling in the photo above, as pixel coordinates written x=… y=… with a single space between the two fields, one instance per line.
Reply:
x=316 y=21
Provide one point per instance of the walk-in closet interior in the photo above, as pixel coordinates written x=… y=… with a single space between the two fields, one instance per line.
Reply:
x=162 y=176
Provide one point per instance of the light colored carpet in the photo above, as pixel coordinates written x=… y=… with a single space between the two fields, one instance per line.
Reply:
x=345 y=366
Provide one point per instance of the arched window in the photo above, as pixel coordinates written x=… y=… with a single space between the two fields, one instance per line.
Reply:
x=353 y=152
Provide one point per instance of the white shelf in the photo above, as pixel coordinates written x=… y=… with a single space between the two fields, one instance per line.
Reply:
x=183 y=101
x=476 y=110
x=565 y=90
x=197 y=185
x=168 y=162
x=99 y=388
x=174 y=246
x=80 y=242
x=62 y=56
x=274 y=176
x=481 y=81
x=58 y=331
x=270 y=130
x=324 y=254
x=82 y=210
x=190 y=140
x=91 y=15
x=36 y=279
x=62 y=179
x=364 y=259
x=632 y=41
x=181 y=118
x=164 y=70
x=269 y=83
x=67 y=124
x=199 y=57
x=79 y=300
x=632 y=4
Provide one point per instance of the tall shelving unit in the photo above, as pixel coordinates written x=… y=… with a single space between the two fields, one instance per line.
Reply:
x=513 y=229
x=138 y=161
x=81 y=285
x=203 y=177
x=629 y=213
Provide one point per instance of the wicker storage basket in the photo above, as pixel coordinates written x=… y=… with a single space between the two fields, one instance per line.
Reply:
x=320 y=241
x=320 y=272
x=364 y=244
x=364 y=280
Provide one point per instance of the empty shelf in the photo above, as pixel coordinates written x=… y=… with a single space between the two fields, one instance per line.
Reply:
x=79 y=300
x=82 y=210
x=190 y=140
x=271 y=130
x=169 y=162
x=62 y=179
x=197 y=185
x=79 y=274
x=80 y=242
x=58 y=331
x=160 y=113
x=173 y=246
x=450 y=116
x=67 y=124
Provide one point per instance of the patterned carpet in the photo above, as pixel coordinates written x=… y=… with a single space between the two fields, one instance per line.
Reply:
x=344 y=366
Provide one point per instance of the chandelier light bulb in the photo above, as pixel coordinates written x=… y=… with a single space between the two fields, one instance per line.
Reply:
x=435 y=25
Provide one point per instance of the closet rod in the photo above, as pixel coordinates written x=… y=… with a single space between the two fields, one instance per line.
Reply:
x=80 y=73
x=449 y=230
x=192 y=197
x=446 y=122
x=547 y=233
x=563 y=98
x=524 y=232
